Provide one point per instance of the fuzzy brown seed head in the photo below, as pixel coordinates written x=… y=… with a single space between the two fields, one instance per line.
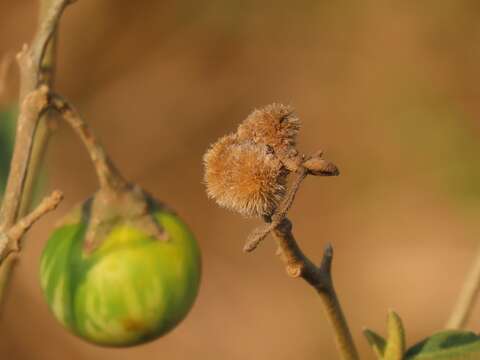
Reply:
x=275 y=125
x=244 y=177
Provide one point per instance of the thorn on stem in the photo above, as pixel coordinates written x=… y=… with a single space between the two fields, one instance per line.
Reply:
x=326 y=264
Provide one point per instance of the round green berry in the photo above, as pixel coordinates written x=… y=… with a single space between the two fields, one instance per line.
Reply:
x=131 y=288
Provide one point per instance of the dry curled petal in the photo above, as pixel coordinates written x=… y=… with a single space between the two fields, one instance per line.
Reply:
x=244 y=176
x=274 y=125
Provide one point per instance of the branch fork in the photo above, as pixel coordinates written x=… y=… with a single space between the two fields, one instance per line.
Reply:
x=10 y=240
x=297 y=265
x=313 y=165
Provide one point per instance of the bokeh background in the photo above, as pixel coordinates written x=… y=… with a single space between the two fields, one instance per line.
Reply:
x=389 y=89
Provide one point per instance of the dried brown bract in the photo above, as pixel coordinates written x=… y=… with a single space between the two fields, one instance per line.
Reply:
x=320 y=167
x=274 y=125
x=244 y=177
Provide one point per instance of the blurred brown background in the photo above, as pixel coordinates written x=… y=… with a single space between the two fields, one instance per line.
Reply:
x=388 y=88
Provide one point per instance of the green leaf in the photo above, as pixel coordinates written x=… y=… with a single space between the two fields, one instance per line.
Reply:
x=377 y=343
x=394 y=347
x=396 y=338
x=448 y=344
x=7 y=135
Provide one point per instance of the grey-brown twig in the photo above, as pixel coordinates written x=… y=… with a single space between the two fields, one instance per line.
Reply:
x=33 y=102
x=29 y=60
x=467 y=298
x=46 y=124
x=17 y=231
x=320 y=278
x=32 y=106
x=10 y=241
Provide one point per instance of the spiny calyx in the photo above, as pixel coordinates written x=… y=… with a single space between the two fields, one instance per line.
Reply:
x=247 y=171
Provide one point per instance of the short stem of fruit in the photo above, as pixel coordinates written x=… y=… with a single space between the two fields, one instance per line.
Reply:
x=109 y=177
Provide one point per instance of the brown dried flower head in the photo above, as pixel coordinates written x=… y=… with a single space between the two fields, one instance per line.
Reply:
x=244 y=176
x=275 y=125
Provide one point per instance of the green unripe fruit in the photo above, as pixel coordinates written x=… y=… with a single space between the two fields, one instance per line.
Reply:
x=130 y=286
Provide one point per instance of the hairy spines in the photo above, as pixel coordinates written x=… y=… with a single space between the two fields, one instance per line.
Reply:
x=275 y=125
x=244 y=176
